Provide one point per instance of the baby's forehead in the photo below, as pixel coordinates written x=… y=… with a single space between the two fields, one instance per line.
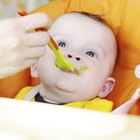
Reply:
x=75 y=17
x=79 y=21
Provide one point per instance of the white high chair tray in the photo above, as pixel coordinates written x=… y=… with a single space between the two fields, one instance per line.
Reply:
x=24 y=120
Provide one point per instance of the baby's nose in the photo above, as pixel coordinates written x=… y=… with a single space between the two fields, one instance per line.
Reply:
x=71 y=56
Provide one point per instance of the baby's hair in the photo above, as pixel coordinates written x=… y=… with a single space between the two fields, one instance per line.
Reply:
x=96 y=17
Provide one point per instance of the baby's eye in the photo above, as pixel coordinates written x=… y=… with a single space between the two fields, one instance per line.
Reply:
x=62 y=44
x=91 y=53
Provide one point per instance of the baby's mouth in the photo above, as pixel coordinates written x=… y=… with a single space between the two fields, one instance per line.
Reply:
x=74 y=72
x=78 y=70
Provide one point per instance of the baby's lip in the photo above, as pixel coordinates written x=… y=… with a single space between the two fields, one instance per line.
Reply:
x=77 y=71
x=73 y=72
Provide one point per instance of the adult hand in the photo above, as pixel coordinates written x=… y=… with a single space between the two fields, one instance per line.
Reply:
x=20 y=46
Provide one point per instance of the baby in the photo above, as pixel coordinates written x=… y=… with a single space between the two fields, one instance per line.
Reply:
x=86 y=43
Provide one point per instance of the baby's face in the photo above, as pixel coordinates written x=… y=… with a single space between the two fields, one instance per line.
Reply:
x=86 y=43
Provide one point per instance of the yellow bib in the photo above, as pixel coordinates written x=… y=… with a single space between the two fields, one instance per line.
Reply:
x=95 y=104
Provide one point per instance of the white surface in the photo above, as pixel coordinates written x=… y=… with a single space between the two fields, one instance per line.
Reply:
x=24 y=120
x=137 y=71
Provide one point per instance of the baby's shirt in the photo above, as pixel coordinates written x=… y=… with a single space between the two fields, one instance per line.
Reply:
x=95 y=104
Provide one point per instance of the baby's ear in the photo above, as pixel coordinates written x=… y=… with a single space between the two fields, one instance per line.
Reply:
x=34 y=72
x=108 y=87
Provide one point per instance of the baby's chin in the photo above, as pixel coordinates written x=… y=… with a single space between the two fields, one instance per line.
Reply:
x=61 y=94
x=65 y=86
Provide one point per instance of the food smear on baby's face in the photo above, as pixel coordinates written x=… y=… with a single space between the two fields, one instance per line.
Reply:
x=82 y=68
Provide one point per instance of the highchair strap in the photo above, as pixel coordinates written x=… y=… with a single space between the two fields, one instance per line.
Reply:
x=31 y=94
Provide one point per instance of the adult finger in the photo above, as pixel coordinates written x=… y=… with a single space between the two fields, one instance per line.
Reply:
x=34 y=52
x=33 y=21
x=37 y=39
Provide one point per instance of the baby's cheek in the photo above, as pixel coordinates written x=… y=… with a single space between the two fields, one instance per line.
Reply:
x=45 y=65
x=92 y=78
